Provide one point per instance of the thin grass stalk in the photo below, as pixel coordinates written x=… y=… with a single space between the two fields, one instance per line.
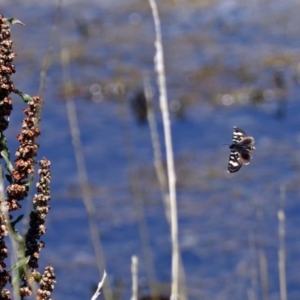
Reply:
x=250 y=294
x=262 y=258
x=263 y=269
x=281 y=250
x=158 y=163
x=161 y=78
x=47 y=60
x=82 y=172
x=281 y=255
x=134 y=274
x=160 y=171
x=143 y=232
x=137 y=195
x=252 y=291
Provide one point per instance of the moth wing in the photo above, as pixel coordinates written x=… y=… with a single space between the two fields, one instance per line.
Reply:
x=248 y=140
x=235 y=162
x=238 y=135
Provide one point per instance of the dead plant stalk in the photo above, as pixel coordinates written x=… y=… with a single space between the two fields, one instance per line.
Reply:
x=161 y=79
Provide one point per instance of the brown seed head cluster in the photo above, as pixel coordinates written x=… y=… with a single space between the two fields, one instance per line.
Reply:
x=38 y=215
x=6 y=87
x=26 y=152
x=25 y=291
x=6 y=70
x=46 y=284
x=23 y=169
x=5 y=295
x=4 y=279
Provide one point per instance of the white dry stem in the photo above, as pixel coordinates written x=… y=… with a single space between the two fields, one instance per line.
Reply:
x=100 y=285
x=159 y=66
x=134 y=273
x=82 y=172
x=281 y=255
x=281 y=250
x=158 y=164
x=160 y=171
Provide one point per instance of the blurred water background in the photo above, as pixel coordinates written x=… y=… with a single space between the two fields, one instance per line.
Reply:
x=228 y=63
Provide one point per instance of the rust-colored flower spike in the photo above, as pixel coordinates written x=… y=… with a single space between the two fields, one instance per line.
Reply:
x=6 y=70
x=6 y=87
x=37 y=228
x=38 y=215
x=26 y=152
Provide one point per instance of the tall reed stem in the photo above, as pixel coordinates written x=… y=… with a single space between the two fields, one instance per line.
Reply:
x=161 y=80
x=281 y=250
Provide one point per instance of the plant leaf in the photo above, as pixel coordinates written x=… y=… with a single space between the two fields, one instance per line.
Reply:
x=9 y=178
x=13 y=21
x=20 y=264
x=17 y=220
x=26 y=97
